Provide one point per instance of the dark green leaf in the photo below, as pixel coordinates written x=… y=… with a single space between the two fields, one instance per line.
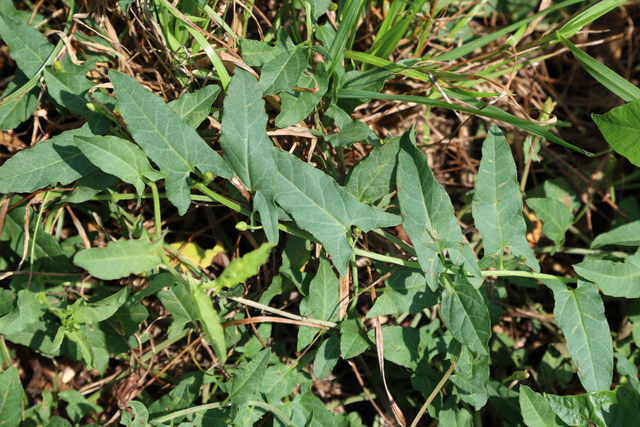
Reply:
x=370 y=81
x=28 y=47
x=209 y=320
x=11 y=395
x=297 y=105
x=283 y=71
x=621 y=128
x=256 y=53
x=194 y=107
x=327 y=356
x=247 y=382
x=280 y=380
x=95 y=312
x=406 y=292
x=404 y=346
x=352 y=132
x=78 y=405
x=353 y=338
x=178 y=302
x=471 y=376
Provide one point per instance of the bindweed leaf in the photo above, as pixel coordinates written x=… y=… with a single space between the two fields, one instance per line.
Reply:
x=327 y=356
x=194 y=107
x=536 y=411
x=353 y=338
x=95 y=312
x=11 y=396
x=621 y=128
x=471 y=377
x=297 y=105
x=555 y=216
x=406 y=292
x=283 y=71
x=247 y=382
x=616 y=279
x=209 y=319
x=27 y=46
x=625 y=235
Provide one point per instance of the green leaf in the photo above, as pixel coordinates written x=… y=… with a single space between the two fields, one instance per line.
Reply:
x=353 y=338
x=322 y=302
x=327 y=357
x=256 y=53
x=28 y=47
x=451 y=415
x=78 y=405
x=625 y=235
x=140 y=414
x=247 y=147
x=179 y=398
x=177 y=300
x=497 y=203
x=118 y=157
x=283 y=71
x=295 y=105
x=580 y=315
x=618 y=407
x=352 y=132
x=404 y=346
x=471 y=377
x=56 y=160
x=119 y=259
x=621 y=128
x=323 y=208
x=174 y=146
x=95 y=312
x=30 y=308
x=78 y=337
x=466 y=315
x=280 y=380
x=555 y=216
x=247 y=382
x=15 y=111
x=616 y=279
x=194 y=107
x=427 y=212
x=90 y=185
x=370 y=81
x=11 y=395
x=209 y=320
x=406 y=292
x=308 y=410
x=240 y=269
x=319 y=7
x=374 y=177
x=536 y=411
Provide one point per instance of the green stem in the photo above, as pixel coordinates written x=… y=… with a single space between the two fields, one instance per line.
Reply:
x=156 y=209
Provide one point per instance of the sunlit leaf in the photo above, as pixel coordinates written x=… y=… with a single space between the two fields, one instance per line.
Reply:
x=247 y=382
x=194 y=107
x=209 y=320
x=536 y=411
x=406 y=291
x=297 y=105
x=621 y=128
x=555 y=216
x=240 y=269
x=95 y=312
x=119 y=259
x=283 y=71
x=625 y=235
x=616 y=279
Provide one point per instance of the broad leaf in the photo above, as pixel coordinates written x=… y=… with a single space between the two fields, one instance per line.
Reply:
x=451 y=415
x=209 y=319
x=323 y=208
x=319 y=7
x=11 y=396
x=536 y=411
x=178 y=302
x=353 y=338
x=30 y=308
x=78 y=406
x=471 y=377
x=119 y=259
x=90 y=185
x=322 y=302
x=140 y=414
x=174 y=146
x=247 y=382
x=555 y=216
x=15 y=111
x=248 y=149
x=616 y=279
x=283 y=71
x=580 y=315
x=256 y=53
x=370 y=81
x=280 y=380
x=296 y=105
x=95 y=312
x=621 y=128
x=27 y=46
x=427 y=212
x=466 y=315
x=327 y=356
x=497 y=203
x=406 y=292
x=625 y=235
x=241 y=269
x=194 y=107
x=308 y=410
x=406 y=347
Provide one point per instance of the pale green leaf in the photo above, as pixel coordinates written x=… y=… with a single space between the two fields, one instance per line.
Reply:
x=580 y=315
x=241 y=269
x=536 y=411
x=555 y=216
x=177 y=301
x=11 y=396
x=327 y=357
x=621 y=129
x=406 y=292
x=27 y=46
x=471 y=377
x=353 y=338
x=209 y=320
x=625 y=235
x=452 y=416
x=497 y=203
x=322 y=302
x=117 y=157
x=616 y=279
x=248 y=149
x=428 y=216
x=466 y=315
x=374 y=177
x=56 y=160
x=247 y=382
x=194 y=107
x=323 y=208
x=295 y=105
x=283 y=71
x=95 y=312
x=618 y=407
x=256 y=53
x=319 y=7
x=119 y=259
x=174 y=146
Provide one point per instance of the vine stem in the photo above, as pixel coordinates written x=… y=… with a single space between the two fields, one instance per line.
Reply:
x=433 y=395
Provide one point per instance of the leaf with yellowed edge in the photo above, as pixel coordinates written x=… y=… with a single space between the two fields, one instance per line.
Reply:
x=195 y=253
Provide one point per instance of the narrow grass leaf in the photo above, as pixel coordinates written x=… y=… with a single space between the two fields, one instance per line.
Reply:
x=616 y=279
x=295 y=105
x=27 y=46
x=580 y=315
x=497 y=203
x=347 y=25
x=283 y=72
x=11 y=395
x=209 y=320
x=247 y=382
x=323 y=208
x=194 y=107
x=428 y=216
x=591 y=13
x=119 y=259
x=362 y=81
x=536 y=411
x=555 y=216
x=466 y=315
x=241 y=269
x=174 y=146
x=248 y=149
x=621 y=128
x=95 y=312
x=625 y=235
x=406 y=292
x=327 y=356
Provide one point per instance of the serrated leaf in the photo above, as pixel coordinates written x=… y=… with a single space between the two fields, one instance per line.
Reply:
x=621 y=128
x=406 y=292
x=616 y=279
x=353 y=338
x=625 y=235
x=194 y=107
x=466 y=315
x=323 y=208
x=536 y=411
x=374 y=177
x=11 y=395
x=241 y=269
x=497 y=203
x=618 y=407
x=27 y=46
x=283 y=71
x=322 y=302
x=247 y=382
x=327 y=357
x=209 y=320
x=428 y=216
x=471 y=377
x=117 y=157
x=119 y=259
x=555 y=216
x=56 y=160
x=580 y=315
x=174 y=146
x=95 y=312
x=295 y=105
x=248 y=149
